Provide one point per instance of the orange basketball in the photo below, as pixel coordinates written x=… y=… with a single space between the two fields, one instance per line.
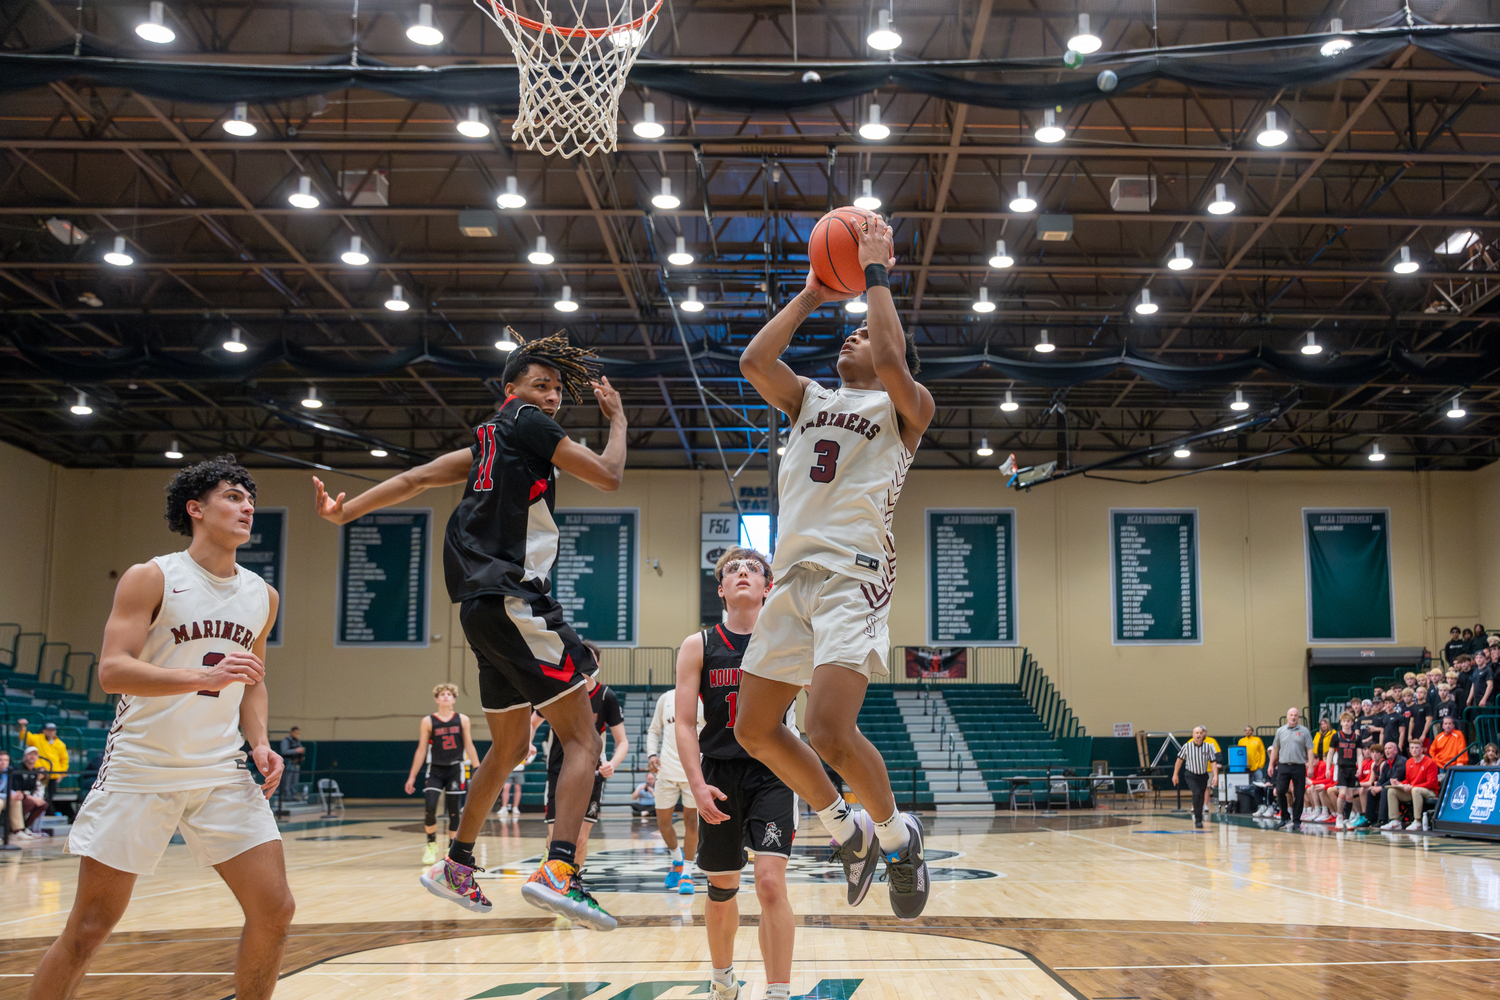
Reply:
x=833 y=250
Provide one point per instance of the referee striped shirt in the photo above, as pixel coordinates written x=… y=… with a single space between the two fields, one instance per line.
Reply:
x=1197 y=755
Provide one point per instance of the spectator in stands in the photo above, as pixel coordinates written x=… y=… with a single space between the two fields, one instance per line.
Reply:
x=1468 y=637
x=33 y=774
x=1482 y=689
x=1202 y=768
x=1480 y=640
x=18 y=794
x=643 y=799
x=1255 y=765
x=1420 y=787
x=1288 y=766
x=1491 y=755
x=53 y=751
x=1447 y=707
x=1322 y=737
x=1464 y=679
x=1455 y=646
x=1391 y=767
x=1414 y=715
x=1393 y=726
x=1450 y=746
x=293 y=753
x=1366 y=777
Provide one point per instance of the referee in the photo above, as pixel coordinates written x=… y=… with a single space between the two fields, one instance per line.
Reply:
x=1202 y=767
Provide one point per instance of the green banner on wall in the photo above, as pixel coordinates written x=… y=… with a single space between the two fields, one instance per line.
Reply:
x=971 y=577
x=596 y=576
x=1153 y=569
x=1348 y=575
x=383 y=586
x=265 y=554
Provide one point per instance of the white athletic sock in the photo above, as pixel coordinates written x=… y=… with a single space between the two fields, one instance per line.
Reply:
x=724 y=977
x=676 y=854
x=838 y=820
x=687 y=869
x=894 y=834
x=778 y=991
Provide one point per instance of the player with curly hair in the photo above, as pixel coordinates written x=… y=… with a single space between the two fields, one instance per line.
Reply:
x=184 y=648
x=498 y=553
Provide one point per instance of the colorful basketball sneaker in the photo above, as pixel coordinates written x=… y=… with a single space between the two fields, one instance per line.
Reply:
x=858 y=855
x=429 y=853
x=556 y=886
x=675 y=875
x=455 y=882
x=685 y=887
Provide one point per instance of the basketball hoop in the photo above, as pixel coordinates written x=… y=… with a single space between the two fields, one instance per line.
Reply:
x=572 y=76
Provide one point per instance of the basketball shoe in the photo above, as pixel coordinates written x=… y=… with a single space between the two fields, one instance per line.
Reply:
x=675 y=875
x=720 y=991
x=429 y=853
x=452 y=881
x=556 y=886
x=858 y=855
x=906 y=872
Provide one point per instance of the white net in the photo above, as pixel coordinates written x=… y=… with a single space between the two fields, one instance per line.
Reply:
x=572 y=73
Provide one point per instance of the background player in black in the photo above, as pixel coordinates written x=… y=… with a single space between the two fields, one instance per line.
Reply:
x=497 y=556
x=741 y=803
x=447 y=734
x=1344 y=747
x=607 y=715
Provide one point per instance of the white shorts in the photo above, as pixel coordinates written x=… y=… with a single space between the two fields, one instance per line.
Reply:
x=816 y=616
x=669 y=792
x=128 y=831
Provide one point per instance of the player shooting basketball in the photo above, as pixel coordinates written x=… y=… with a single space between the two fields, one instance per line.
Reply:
x=824 y=624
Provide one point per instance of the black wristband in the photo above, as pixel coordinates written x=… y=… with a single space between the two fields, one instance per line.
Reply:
x=875 y=275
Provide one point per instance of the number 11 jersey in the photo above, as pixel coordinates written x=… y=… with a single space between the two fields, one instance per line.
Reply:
x=839 y=482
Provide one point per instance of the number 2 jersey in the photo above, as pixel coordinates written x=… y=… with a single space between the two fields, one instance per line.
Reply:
x=839 y=482
x=178 y=742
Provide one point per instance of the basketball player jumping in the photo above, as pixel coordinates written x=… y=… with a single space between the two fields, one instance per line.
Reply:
x=444 y=739
x=740 y=802
x=184 y=648
x=847 y=453
x=498 y=555
x=607 y=715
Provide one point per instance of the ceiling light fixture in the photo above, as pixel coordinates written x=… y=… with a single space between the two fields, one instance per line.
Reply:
x=1458 y=242
x=355 y=256
x=1376 y=455
x=1272 y=134
x=1050 y=131
x=883 y=37
x=1022 y=203
x=1221 y=205
x=984 y=450
x=866 y=199
x=666 y=199
x=1239 y=404
x=174 y=452
x=397 y=302
x=1085 y=42
x=857 y=305
x=1334 y=46
x=424 y=32
x=872 y=129
x=1043 y=345
x=81 y=408
x=511 y=197
x=565 y=301
x=1312 y=346
x=505 y=345
x=1180 y=260
x=235 y=345
x=379 y=452
x=1181 y=453
x=1404 y=264
x=692 y=303
x=119 y=256
x=1010 y=405
x=648 y=127
x=983 y=303
x=154 y=29
x=1145 y=307
x=1455 y=409
x=1001 y=259
x=473 y=127
x=303 y=197
x=240 y=125
x=680 y=256
x=540 y=256
x=311 y=400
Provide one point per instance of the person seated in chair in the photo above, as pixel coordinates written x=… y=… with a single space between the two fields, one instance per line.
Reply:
x=1419 y=787
x=19 y=787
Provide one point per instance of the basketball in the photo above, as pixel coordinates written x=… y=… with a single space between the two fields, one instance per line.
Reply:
x=833 y=250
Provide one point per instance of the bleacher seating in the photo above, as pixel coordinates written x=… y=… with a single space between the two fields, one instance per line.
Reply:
x=881 y=722
x=1008 y=740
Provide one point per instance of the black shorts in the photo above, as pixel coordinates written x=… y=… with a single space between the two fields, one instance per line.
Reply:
x=591 y=814
x=1348 y=778
x=527 y=654
x=446 y=777
x=762 y=815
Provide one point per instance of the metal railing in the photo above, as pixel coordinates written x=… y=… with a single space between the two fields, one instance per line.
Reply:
x=648 y=666
x=1050 y=706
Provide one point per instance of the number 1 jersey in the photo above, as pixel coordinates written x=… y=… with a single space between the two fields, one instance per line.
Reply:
x=839 y=482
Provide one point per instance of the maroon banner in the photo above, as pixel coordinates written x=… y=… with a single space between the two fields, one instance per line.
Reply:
x=939 y=661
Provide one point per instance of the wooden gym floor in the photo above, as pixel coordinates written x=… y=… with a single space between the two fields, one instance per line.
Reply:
x=1099 y=905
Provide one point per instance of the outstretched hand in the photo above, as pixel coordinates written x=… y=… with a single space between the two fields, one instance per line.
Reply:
x=608 y=397
x=326 y=507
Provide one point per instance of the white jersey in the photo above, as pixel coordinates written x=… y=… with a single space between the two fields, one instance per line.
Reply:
x=839 y=482
x=186 y=741
x=661 y=736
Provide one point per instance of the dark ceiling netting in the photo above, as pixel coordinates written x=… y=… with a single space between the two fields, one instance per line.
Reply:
x=1252 y=65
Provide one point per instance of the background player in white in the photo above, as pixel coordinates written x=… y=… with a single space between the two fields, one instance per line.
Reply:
x=672 y=787
x=740 y=802
x=184 y=648
x=443 y=751
x=825 y=622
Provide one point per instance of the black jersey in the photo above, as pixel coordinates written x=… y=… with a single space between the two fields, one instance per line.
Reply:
x=447 y=740
x=501 y=538
x=607 y=714
x=1347 y=748
x=719 y=687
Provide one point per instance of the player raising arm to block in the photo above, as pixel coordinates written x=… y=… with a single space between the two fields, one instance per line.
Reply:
x=498 y=554
x=847 y=453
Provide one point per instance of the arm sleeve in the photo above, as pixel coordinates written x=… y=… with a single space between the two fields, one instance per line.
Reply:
x=653 y=732
x=538 y=433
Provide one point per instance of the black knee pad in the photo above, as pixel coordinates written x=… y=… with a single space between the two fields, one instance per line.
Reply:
x=721 y=895
x=455 y=807
x=431 y=795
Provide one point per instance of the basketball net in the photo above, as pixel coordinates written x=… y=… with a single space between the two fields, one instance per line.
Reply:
x=572 y=75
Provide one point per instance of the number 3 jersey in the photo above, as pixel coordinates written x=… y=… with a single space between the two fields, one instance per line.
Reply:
x=185 y=741
x=839 y=482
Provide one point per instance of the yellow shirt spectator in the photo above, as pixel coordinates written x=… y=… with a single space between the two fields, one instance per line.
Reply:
x=1255 y=752
x=54 y=753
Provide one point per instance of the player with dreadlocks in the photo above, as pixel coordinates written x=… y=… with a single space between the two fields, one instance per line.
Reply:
x=498 y=555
